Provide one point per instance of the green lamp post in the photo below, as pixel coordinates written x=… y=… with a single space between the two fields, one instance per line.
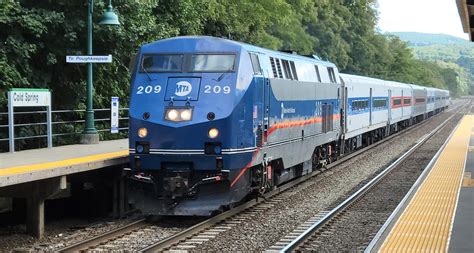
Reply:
x=90 y=134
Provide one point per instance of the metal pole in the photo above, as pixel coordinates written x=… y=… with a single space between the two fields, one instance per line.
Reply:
x=11 y=123
x=89 y=128
x=90 y=134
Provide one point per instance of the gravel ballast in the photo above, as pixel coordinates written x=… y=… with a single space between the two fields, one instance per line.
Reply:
x=358 y=224
x=259 y=232
x=314 y=196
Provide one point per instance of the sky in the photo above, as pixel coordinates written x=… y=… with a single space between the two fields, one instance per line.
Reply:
x=426 y=16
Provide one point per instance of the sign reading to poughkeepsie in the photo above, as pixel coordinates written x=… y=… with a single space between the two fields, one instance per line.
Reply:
x=89 y=58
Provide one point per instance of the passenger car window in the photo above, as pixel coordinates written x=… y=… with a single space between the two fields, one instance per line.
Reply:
x=380 y=102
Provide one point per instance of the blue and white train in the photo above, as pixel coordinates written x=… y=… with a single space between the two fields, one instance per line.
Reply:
x=213 y=120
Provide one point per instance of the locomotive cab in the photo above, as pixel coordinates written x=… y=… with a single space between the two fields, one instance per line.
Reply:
x=187 y=116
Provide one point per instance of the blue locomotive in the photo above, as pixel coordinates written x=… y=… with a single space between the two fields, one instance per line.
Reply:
x=214 y=120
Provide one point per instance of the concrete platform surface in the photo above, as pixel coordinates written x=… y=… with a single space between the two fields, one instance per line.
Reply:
x=31 y=165
x=439 y=216
x=462 y=236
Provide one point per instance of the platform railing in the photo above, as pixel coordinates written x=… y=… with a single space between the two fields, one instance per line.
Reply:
x=30 y=127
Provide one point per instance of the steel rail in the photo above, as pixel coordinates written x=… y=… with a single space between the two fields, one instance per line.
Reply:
x=397 y=211
x=165 y=244
x=170 y=241
x=361 y=192
x=407 y=196
x=97 y=240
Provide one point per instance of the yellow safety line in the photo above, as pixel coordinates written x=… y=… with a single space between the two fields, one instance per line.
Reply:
x=63 y=163
x=426 y=223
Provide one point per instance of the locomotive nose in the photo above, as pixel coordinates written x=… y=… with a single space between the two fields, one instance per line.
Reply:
x=183 y=88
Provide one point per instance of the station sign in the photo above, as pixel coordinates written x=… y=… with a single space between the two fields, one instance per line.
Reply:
x=89 y=58
x=30 y=97
x=21 y=97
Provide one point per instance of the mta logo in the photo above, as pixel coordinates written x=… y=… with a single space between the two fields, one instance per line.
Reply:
x=183 y=88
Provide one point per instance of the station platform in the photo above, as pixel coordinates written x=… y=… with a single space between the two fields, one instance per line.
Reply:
x=437 y=215
x=31 y=165
x=41 y=174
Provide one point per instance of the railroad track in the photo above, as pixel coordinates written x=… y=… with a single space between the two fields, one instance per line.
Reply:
x=133 y=236
x=104 y=238
x=306 y=236
x=210 y=228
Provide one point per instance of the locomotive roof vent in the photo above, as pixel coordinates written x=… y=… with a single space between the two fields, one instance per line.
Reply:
x=313 y=56
x=289 y=51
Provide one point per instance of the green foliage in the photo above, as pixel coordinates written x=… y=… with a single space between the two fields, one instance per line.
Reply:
x=35 y=37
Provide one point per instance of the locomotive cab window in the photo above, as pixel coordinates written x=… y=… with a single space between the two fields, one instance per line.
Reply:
x=212 y=62
x=316 y=68
x=332 y=75
x=162 y=63
x=255 y=64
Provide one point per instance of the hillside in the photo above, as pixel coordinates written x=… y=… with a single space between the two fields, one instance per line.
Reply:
x=427 y=39
x=446 y=50
x=434 y=47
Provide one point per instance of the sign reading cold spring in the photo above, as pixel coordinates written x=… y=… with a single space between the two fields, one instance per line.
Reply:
x=31 y=98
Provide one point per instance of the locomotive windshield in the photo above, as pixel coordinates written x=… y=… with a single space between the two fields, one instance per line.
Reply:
x=212 y=63
x=162 y=63
x=188 y=63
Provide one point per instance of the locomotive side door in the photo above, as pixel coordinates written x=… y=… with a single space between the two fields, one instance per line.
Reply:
x=262 y=108
x=266 y=106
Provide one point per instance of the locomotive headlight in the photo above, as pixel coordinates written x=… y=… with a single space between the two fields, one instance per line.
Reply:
x=186 y=114
x=213 y=133
x=172 y=115
x=142 y=132
x=178 y=114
